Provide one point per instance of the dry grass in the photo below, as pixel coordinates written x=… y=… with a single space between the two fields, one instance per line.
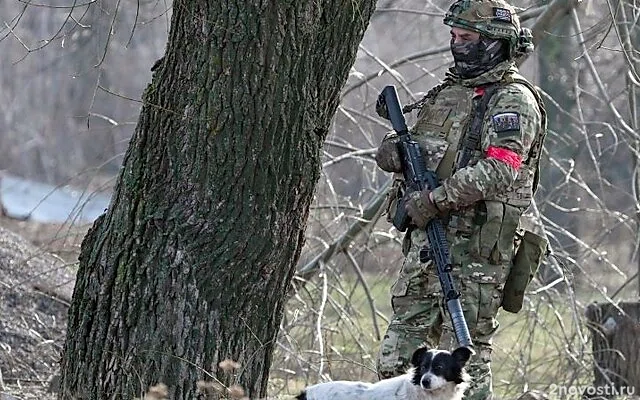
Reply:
x=35 y=290
x=331 y=330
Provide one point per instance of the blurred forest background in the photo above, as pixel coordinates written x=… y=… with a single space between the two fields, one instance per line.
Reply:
x=72 y=74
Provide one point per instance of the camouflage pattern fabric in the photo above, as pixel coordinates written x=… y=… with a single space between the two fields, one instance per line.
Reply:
x=485 y=201
x=420 y=317
x=495 y=19
x=488 y=178
x=473 y=58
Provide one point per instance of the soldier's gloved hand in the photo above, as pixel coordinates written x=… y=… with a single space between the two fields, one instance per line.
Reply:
x=387 y=156
x=421 y=208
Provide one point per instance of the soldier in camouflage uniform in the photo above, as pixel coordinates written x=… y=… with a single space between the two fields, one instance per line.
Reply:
x=481 y=202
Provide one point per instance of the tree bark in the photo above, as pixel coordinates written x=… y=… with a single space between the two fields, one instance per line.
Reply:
x=191 y=263
x=615 y=336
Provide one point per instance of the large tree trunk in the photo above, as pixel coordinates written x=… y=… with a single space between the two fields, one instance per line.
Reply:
x=556 y=79
x=191 y=263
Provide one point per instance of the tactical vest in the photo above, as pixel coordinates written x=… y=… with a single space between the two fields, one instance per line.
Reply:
x=453 y=122
x=449 y=118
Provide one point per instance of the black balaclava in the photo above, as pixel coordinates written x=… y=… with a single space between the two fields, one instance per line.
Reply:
x=475 y=58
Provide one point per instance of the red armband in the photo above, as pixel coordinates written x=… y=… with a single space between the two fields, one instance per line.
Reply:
x=505 y=155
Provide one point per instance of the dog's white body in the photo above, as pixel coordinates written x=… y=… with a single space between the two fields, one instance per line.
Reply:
x=399 y=387
x=436 y=375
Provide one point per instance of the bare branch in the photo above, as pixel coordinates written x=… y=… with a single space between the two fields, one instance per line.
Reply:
x=373 y=208
x=596 y=77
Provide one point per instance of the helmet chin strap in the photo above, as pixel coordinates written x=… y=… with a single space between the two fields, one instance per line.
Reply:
x=475 y=58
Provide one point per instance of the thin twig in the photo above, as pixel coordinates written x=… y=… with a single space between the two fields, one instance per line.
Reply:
x=323 y=302
x=596 y=76
x=367 y=292
x=343 y=241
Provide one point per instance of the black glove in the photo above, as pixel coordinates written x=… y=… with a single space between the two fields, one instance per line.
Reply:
x=381 y=107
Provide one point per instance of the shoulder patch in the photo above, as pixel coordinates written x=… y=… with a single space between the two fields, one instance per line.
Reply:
x=506 y=121
x=501 y=14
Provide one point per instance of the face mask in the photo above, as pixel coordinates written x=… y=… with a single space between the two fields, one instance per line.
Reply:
x=474 y=58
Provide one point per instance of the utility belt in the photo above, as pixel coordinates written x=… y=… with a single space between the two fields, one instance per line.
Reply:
x=492 y=229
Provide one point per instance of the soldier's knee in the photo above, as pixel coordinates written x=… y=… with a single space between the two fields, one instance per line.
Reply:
x=391 y=360
x=397 y=347
x=390 y=364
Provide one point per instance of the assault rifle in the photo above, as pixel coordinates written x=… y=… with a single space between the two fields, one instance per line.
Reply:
x=417 y=178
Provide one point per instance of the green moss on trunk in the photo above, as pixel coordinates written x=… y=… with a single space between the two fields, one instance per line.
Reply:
x=191 y=263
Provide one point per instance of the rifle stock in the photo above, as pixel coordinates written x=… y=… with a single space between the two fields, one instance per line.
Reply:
x=418 y=177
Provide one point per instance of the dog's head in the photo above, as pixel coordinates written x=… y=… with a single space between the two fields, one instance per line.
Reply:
x=435 y=369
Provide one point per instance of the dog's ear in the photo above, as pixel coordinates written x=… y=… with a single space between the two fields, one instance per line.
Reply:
x=463 y=354
x=418 y=355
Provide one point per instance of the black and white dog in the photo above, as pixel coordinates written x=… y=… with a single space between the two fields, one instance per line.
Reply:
x=435 y=375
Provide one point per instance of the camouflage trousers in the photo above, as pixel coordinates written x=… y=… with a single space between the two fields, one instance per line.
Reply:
x=419 y=316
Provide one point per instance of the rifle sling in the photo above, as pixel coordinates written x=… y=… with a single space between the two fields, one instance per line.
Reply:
x=474 y=133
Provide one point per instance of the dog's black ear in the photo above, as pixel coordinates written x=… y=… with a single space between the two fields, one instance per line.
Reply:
x=418 y=355
x=463 y=354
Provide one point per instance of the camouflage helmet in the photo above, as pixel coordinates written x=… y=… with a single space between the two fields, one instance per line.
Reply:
x=495 y=19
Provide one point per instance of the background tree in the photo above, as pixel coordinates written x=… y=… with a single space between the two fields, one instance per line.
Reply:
x=190 y=264
x=59 y=118
x=556 y=78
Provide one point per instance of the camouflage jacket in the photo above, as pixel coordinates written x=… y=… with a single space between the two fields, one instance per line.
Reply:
x=505 y=163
